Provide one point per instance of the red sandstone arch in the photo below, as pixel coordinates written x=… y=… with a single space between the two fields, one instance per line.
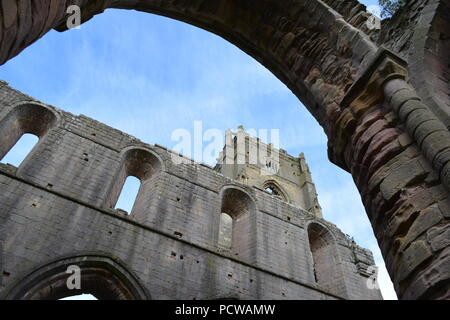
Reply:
x=395 y=145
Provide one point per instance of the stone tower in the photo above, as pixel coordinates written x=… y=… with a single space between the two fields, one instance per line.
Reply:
x=254 y=163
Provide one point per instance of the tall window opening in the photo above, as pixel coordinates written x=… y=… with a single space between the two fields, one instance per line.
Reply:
x=128 y=194
x=135 y=182
x=21 y=129
x=20 y=150
x=237 y=224
x=225 y=231
x=326 y=269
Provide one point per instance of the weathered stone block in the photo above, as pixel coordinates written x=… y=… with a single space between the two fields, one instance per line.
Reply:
x=433 y=276
x=439 y=237
x=401 y=97
x=425 y=220
x=418 y=252
x=402 y=176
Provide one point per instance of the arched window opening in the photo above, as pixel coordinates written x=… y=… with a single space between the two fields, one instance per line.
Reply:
x=225 y=231
x=237 y=224
x=20 y=150
x=101 y=278
x=132 y=188
x=21 y=123
x=327 y=273
x=274 y=190
x=128 y=194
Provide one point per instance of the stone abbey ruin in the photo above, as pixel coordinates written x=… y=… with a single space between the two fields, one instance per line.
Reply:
x=382 y=96
x=194 y=232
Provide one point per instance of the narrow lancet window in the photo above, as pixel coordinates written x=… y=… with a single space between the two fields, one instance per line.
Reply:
x=225 y=231
x=237 y=225
x=128 y=194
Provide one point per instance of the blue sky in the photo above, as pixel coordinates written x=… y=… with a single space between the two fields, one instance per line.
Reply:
x=148 y=76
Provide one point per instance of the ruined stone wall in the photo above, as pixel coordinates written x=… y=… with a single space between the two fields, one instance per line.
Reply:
x=55 y=205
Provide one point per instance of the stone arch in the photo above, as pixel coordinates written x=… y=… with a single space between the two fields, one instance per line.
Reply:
x=23 y=118
x=241 y=207
x=102 y=276
x=326 y=261
x=246 y=202
x=312 y=56
x=157 y=164
x=143 y=164
x=277 y=190
x=379 y=128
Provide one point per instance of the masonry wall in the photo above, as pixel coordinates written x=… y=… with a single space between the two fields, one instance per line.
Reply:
x=56 y=204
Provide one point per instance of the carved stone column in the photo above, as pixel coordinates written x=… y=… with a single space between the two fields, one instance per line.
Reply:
x=398 y=153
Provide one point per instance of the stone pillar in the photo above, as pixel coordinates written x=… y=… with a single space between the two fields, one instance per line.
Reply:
x=397 y=151
x=425 y=259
